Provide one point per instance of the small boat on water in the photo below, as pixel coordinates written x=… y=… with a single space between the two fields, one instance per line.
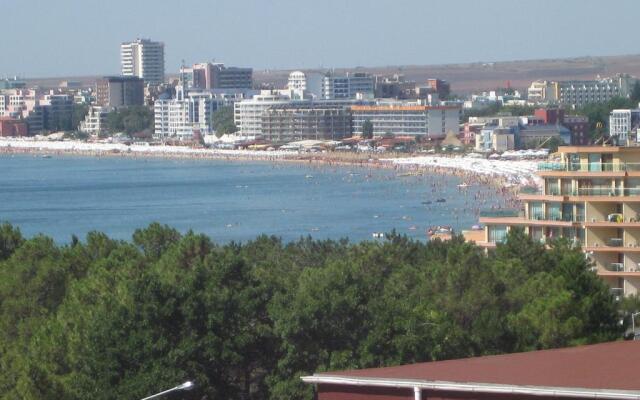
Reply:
x=426 y=202
x=441 y=200
x=442 y=232
x=463 y=185
x=46 y=156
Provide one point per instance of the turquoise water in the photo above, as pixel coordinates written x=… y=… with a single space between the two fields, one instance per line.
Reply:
x=61 y=196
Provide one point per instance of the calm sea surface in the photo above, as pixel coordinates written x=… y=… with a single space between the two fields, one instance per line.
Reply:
x=61 y=196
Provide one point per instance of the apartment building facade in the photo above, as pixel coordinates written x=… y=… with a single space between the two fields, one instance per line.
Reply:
x=119 y=91
x=591 y=197
x=143 y=58
x=285 y=123
x=348 y=86
x=408 y=119
x=577 y=93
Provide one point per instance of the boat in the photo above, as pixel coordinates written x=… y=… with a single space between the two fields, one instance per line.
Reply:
x=441 y=200
x=463 y=185
x=426 y=202
x=46 y=156
x=442 y=232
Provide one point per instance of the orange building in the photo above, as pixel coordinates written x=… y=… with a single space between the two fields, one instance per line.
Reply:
x=592 y=197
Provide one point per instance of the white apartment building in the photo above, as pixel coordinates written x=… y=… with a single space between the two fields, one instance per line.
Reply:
x=408 y=119
x=349 y=86
x=95 y=120
x=623 y=124
x=143 y=58
x=579 y=93
x=188 y=112
x=248 y=113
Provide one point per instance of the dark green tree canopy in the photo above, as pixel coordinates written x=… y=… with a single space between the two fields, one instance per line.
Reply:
x=106 y=319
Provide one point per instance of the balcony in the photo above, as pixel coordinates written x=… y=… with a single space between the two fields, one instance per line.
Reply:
x=615 y=267
x=500 y=213
x=617 y=292
x=588 y=167
x=614 y=242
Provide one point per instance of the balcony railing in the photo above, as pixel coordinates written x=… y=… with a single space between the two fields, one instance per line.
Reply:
x=614 y=242
x=617 y=292
x=602 y=191
x=615 y=267
x=500 y=213
x=588 y=167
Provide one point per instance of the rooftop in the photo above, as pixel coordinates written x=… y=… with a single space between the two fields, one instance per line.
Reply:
x=606 y=367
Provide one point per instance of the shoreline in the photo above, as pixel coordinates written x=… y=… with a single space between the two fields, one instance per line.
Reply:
x=506 y=176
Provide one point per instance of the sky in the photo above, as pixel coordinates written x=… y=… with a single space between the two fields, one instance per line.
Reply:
x=52 y=38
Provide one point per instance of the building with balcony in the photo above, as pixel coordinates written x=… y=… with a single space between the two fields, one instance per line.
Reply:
x=578 y=93
x=317 y=121
x=592 y=197
x=417 y=120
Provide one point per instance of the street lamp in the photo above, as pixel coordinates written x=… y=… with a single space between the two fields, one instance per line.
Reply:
x=188 y=385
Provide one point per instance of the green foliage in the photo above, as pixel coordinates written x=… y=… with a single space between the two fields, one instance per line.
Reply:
x=79 y=112
x=222 y=121
x=108 y=319
x=131 y=120
x=367 y=129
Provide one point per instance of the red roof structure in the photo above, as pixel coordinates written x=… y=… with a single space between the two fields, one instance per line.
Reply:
x=603 y=371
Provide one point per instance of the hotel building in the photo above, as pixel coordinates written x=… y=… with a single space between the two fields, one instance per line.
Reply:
x=406 y=119
x=145 y=59
x=592 y=197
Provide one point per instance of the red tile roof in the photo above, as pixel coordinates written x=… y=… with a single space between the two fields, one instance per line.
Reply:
x=609 y=366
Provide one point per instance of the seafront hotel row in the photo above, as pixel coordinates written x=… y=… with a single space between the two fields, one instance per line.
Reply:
x=591 y=196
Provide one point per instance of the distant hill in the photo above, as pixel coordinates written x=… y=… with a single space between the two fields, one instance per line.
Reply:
x=464 y=78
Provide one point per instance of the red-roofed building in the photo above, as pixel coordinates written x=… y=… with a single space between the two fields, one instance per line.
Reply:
x=13 y=127
x=601 y=371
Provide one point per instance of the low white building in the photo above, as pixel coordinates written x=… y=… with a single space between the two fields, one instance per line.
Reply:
x=95 y=121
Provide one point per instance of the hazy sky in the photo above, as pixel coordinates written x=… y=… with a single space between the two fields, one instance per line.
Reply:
x=43 y=38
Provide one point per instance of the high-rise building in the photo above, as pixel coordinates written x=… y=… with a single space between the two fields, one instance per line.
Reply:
x=119 y=91
x=592 y=198
x=143 y=58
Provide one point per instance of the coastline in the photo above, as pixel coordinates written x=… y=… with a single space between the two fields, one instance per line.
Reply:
x=507 y=176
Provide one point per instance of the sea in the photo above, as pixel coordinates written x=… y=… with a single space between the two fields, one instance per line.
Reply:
x=61 y=196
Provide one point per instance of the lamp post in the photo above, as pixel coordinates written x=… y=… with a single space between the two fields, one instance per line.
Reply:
x=188 y=385
x=633 y=323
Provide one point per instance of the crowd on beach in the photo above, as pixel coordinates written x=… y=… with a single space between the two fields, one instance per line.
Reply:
x=504 y=176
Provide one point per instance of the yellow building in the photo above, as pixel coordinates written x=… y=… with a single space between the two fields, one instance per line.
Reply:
x=592 y=197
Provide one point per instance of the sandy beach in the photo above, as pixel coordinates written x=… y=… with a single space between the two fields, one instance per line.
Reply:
x=500 y=173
